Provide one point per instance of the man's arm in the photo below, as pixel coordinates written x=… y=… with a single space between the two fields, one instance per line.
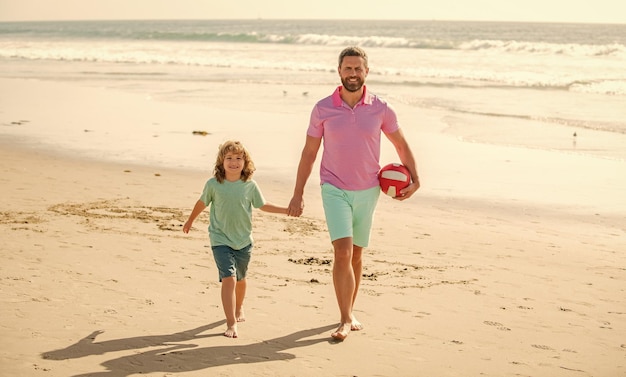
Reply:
x=406 y=158
x=305 y=167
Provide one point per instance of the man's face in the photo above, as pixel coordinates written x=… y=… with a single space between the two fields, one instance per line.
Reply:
x=353 y=73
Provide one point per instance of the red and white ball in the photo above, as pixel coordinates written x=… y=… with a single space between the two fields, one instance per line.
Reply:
x=393 y=178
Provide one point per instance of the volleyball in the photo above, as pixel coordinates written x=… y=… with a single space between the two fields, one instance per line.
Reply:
x=393 y=178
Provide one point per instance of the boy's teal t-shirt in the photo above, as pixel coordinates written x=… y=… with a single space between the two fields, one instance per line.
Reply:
x=231 y=211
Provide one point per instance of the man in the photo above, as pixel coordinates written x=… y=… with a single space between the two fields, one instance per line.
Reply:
x=350 y=122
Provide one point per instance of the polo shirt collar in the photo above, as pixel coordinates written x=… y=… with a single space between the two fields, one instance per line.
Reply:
x=365 y=100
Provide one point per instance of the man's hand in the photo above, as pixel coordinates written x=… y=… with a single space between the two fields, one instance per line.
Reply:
x=296 y=207
x=408 y=191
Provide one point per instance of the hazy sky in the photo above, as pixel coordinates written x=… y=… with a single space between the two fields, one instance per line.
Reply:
x=603 y=11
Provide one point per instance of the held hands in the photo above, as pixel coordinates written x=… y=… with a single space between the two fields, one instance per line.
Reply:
x=296 y=207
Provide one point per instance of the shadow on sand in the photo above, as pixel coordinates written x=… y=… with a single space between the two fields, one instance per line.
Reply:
x=178 y=358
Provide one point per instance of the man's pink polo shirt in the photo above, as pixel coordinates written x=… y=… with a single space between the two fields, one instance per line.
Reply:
x=351 y=137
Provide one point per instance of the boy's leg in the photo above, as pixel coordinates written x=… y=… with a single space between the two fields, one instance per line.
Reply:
x=242 y=260
x=240 y=294
x=229 y=302
x=226 y=267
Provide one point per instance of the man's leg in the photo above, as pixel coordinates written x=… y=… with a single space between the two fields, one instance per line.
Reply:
x=357 y=268
x=345 y=284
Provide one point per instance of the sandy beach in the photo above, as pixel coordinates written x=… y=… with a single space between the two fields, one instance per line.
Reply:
x=522 y=275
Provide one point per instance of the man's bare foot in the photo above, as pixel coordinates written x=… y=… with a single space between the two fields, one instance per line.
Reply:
x=342 y=331
x=231 y=331
x=356 y=325
x=240 y=315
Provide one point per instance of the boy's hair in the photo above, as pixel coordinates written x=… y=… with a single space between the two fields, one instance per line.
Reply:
x=353 y=51
x=234 y=147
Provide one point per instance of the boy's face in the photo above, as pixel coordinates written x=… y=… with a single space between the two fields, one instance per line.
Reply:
x=233 y=165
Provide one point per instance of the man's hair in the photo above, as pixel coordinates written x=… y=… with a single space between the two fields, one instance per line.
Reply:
x=353 y=51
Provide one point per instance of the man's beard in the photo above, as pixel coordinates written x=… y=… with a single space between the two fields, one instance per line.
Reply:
x=352 y=86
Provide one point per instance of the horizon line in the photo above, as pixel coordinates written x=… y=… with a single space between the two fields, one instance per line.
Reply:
x=311 y=19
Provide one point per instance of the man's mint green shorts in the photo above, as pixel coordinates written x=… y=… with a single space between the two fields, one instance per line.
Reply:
x=349 y=213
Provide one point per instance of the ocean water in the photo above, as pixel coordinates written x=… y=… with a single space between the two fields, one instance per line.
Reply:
x=523 y=84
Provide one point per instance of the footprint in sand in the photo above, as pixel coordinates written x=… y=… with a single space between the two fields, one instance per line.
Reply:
x=402 y=310
x=542 y=347
x=498 y=325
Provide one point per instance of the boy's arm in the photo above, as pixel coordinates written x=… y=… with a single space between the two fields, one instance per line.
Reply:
x=197 y=209
x=269 y=207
